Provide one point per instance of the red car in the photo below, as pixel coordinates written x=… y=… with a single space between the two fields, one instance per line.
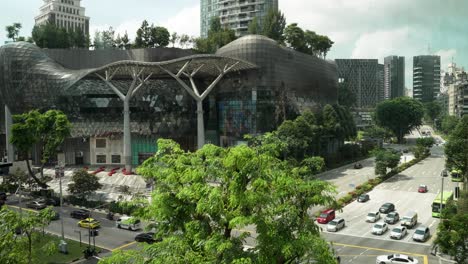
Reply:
x=326 y=216
x=422 y=188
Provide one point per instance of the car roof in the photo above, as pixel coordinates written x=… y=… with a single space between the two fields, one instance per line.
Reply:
x=337 y=219
x=387 y=204
x=421 y=227
x=328 y=211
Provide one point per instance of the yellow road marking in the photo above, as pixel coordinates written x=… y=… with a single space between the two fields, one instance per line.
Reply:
x=124 y=246
x=386 y=250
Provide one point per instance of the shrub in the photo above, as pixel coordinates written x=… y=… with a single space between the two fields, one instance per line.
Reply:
x=367 y=187
x=359 y=192
x=352 y=193
x=346 y=199
x=358 y=187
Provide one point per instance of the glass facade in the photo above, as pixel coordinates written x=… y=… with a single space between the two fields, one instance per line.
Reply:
x=426 y=77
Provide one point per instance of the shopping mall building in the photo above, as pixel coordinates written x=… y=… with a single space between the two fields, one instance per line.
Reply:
x=121 y=101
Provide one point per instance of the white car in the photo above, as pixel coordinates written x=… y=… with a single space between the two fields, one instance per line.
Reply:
x=379 y=228
x=398 y=232
x=373 y=217
x=396 y=258
x=336 y=224
x=128 y=222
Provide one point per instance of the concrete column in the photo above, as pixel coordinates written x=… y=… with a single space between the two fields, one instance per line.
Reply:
x=8 y=125
x=127 y=150
x=200 y=124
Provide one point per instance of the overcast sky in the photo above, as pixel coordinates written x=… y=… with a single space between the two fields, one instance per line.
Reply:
x=359 y=28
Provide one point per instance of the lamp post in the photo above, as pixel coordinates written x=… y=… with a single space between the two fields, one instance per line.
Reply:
x=442 y=173
x=60 y=172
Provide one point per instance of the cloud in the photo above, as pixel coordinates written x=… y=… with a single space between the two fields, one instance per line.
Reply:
x=187 y=21
x=446 y=57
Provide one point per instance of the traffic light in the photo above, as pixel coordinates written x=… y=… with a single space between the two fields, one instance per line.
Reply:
x=457 y=192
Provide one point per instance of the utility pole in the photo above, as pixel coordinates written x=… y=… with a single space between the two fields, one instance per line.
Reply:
x=441 y=193
x=60 y=172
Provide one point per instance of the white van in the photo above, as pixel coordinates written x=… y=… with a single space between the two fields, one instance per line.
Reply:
x=410 y=219
x=128 y=222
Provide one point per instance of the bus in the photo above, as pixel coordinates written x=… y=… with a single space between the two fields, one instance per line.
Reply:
x=456 y=175
x=438 y=202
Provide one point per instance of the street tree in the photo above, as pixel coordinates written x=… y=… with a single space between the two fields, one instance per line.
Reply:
x=452 y=237
x=456 y=149
x=159 y=37
x=399 y=115
x=12 y=246
x=13 y=31
x=49 y=129
x=202 y=197
x=432 y=110
x=83 y=184
x=449 y=123
x=385 y=159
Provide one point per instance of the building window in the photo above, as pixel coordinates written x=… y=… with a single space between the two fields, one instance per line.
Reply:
x=101 y=159
x=100 y=142
x=115 y=158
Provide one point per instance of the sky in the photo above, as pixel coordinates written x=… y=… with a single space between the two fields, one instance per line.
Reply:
x=360 y=28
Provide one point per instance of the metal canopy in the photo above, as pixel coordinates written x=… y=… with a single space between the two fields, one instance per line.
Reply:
x=205 y=65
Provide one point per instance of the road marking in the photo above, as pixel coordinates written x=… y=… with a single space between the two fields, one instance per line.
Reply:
x=433 y=222
x=425 y=259
x=124 y=246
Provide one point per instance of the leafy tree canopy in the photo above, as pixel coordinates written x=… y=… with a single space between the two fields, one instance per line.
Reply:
x=202 y=197
x=52 y=37
x=456 y=148
x=386 y=159
x=452 y=236
x=346 y=97
x=449 y=123
x=399 y=115
x=217 y=37
x=273 y=26
x=432 y=110
x=13 y=31
x=84 y=183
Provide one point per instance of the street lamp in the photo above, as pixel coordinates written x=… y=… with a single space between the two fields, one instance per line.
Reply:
x=443 y=173
x=60 y=172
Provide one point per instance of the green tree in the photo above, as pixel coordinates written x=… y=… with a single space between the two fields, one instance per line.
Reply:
x=323 y=45
x=294 y=36
x=50 y=129
x=254 y=27
x=273 y=25
x=159 y=37
x=399 y=115
x=217 y=37
x=143 y=35
x=13 y=31
x=449 y=123
x=452 y=237
x=108 y=38
x=432 y=110
x=204 y=196
x=84 y=184
x=386 y=159
x=456 y=149
x=12 y=247
x=78 y=38
x=52 y=37
x=174 y=38
x=125 y=41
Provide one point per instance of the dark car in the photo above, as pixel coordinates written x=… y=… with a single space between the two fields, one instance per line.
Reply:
x=146 y=237
x=50 y=201
x=387 y=208
x=358 y=166
x=363 y=198
x=392 y=218
x=37 y=204
x=80 y=214
x=3 y=196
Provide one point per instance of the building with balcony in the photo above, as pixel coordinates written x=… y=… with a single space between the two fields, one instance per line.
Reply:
x=234 y=14
x=394 y=77
x=426 y=77
x=67 y=14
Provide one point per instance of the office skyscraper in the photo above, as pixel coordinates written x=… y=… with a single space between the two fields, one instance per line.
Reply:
x=234 y=14
x=394 y=76
x=68 y=14
x=426 y=77
x=364 y=77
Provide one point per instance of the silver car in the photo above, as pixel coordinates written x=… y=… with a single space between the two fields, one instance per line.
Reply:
x=421 y=234
x=398 y=232
x=373 y=217
x=336 y=224
x=379 y=228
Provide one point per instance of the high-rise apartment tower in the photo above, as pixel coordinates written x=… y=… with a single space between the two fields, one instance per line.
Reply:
x=68 y=14
x=426 y=77
x=234 y=14
x=394 y=77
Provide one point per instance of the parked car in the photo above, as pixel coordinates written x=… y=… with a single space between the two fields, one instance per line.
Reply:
x=392 y=218
x=128 y=222
x=373 y=217
x=336 y=224
x=89 y=223
x=358 y=166
x=379 y=228
x=37 y=204
x=147 y=237
x=387 y=208
x=80 y=214
x=326 y=216
x=396 y=258
x=398 y=232
x=421 y=234
x=363 y=198
x=422 y=188
x=410 y=219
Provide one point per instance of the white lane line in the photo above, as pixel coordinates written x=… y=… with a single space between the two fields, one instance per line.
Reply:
x=433 y=222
